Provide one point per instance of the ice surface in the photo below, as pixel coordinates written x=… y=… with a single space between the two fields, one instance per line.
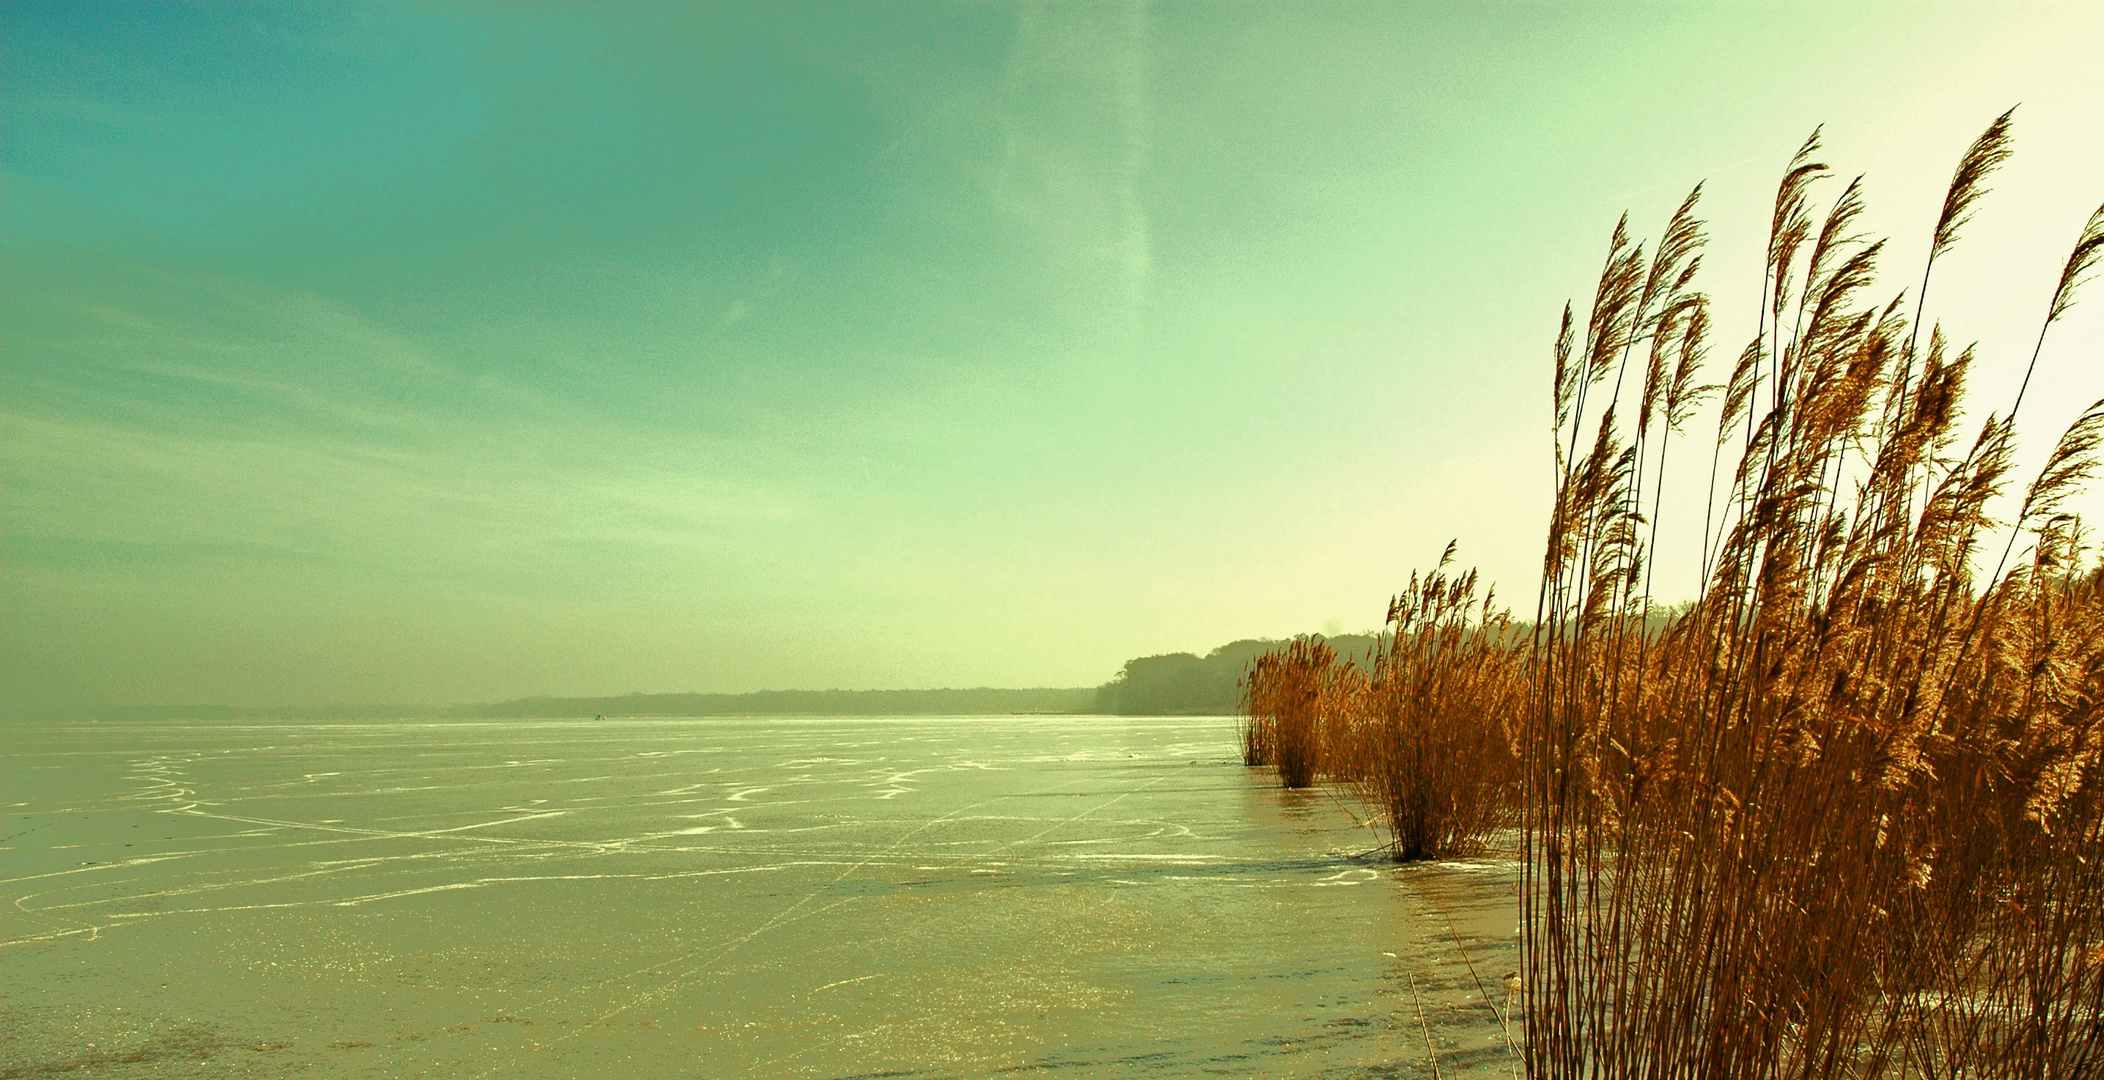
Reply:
x=720 y=897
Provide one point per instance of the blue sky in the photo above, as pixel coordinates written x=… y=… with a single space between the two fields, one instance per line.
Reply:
x=442 y=352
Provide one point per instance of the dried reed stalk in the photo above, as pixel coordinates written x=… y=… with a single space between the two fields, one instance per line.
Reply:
x=1422 y=734
x=1843 y=816
x=1286 y=696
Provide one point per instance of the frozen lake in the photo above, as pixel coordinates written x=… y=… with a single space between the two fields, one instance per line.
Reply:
x=718 y=898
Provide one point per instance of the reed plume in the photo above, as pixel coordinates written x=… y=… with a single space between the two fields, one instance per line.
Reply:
x=1288 y=697
x=1843 y=815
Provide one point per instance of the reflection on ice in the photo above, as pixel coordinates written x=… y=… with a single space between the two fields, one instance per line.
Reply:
x=723 y=897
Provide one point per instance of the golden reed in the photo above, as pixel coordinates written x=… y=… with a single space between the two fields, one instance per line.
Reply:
x=1840 y=816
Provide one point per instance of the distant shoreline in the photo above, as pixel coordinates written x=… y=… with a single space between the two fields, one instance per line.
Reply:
x=945 y=702
x=994 y=701
x=1169 y=684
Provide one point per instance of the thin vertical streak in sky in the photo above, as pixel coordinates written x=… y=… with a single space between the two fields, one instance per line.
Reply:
x=1077 y=143
x=1029 y=28
x=1137 y=250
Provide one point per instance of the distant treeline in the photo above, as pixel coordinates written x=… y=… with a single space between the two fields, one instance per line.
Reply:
x=1186 y=684
x=1172 y=684
x=975 y=701
x=219 y=712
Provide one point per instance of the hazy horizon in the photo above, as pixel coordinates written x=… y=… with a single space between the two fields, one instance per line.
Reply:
x=466 y=352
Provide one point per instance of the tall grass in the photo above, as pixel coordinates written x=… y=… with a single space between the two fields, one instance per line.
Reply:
x=1843 y=814
x=1843 y=818
x=1424 y=734
x=1434 y=744
x=1290 y=698
x=1259 y=710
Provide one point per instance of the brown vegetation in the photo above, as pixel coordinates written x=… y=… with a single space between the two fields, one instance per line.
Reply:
x=1435 y=747
x=1291 y=698
x=1843 y=816
x=1423 y=733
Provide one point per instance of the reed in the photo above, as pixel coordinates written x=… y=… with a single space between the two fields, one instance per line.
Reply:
x=1288 y=696
x=1422 y=734
x=1432 y=744
x=1259 y=711
x=1843 y=816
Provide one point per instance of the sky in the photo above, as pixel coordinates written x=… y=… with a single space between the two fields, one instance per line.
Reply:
x=442 y=352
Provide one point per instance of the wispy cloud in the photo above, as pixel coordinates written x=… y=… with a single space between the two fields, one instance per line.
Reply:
x=183 y=420
x=1077 y=147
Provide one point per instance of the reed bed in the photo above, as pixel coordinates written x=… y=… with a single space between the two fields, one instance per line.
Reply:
x=1843 y=817
x=1290 y=698
x=1429 y=740
x=1422 y=731
x=1840 y=816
